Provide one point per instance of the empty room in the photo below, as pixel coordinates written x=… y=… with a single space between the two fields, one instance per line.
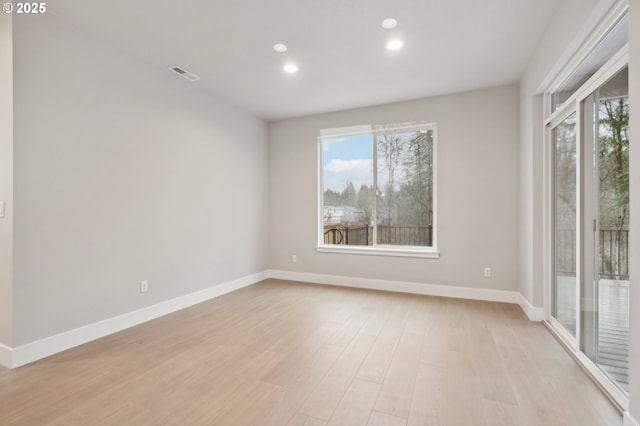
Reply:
x=279 y=212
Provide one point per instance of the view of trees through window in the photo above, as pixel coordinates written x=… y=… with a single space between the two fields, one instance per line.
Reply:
x=378 y=187
x=614 y=163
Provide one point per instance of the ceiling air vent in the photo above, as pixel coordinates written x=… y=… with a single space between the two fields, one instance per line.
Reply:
x=184 y=73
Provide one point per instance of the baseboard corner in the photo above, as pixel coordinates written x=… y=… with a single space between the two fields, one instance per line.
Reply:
x=6 y=356
x=534 y=313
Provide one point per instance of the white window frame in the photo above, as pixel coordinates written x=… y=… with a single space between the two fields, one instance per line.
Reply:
x=430 y=252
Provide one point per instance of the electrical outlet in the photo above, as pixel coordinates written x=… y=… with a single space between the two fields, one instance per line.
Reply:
x=487 y=272
x=144 y=286
x=294 y=258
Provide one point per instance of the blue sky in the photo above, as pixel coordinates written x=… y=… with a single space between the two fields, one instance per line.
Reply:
x=347 y=158
x=348 y=148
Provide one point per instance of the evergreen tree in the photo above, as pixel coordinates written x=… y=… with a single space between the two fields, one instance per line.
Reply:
x=349 y=196
x=365 y=201
x=331 y=198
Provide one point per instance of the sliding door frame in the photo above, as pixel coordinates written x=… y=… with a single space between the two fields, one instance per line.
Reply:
x=574 y=103
x=559 y=116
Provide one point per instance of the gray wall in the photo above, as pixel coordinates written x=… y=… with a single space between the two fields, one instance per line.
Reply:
x=6 y=180
x=477 y=192
x=123 y=172
x=634 y=179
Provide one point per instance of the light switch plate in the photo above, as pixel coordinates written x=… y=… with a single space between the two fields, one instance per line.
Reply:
x=1 y=208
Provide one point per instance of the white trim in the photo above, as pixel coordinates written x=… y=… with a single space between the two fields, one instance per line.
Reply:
x=490 y=295
x=605 y=382
x=556 y=78
x=6 y=355
x=400 y=251
x=628 y=420
x=618 y=61
x=534 y=313
x=339 y=132
x=600 y=378
x=42 y=348
x=384 y=129
x=561 y=331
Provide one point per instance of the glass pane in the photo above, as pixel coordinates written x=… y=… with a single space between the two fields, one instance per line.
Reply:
x=348 y=194
x=405 y=188
x=610 y=329
x=564 y=137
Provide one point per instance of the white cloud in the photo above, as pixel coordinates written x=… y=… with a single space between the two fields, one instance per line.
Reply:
x=337 y=172
x=342 y=166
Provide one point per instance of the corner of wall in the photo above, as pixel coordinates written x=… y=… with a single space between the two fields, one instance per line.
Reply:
x=6 y=356
x=534 y=313
x=6 y=183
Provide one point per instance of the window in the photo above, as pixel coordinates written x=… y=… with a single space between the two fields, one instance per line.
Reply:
x=377 y=190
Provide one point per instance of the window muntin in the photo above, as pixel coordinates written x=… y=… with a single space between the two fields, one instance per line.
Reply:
x=377 y=189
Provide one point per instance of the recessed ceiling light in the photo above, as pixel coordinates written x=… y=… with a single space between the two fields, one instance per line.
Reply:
x=389 y=23
x=291 y=68
x=395 y=44
x=279 y=47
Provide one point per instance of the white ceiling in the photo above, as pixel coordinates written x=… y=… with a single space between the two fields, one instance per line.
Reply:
x=339 y=45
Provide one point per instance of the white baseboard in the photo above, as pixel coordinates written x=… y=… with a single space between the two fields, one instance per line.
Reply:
x=30 y=352
x=6 y=354
x=534 y=313
x=628 y=420
x=401 y=286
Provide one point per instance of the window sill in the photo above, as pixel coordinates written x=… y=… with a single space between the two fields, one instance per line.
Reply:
x=426 y=253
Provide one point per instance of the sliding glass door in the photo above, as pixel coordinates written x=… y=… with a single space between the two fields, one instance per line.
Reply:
x=605 y=296
x=589 y=141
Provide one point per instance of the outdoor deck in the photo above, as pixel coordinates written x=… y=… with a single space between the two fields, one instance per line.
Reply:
x=613 y=338
x=613 y=319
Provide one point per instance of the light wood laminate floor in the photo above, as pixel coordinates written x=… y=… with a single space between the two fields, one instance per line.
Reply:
x=283 y=353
